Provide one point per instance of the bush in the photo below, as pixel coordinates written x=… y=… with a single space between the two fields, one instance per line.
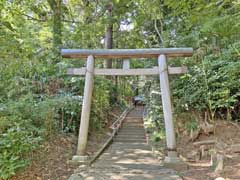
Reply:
x=212 y=85
x=16 y=143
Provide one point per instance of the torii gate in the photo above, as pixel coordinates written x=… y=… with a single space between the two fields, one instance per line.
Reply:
x=162 y=70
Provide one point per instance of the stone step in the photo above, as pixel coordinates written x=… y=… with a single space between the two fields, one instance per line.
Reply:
x=127 y=173
x=132 y=125
x=127 y=131
x=130 y=158
x=133 y=117
x=132 y=131
x=131 y=128
x=137 y=151
x=136 y=130
x=134 y=147
x=129 y=140
x=133 y=120
x=130 y=136
x=144 y=164
x=129 y=146
x=135 y=114
x=120 y=136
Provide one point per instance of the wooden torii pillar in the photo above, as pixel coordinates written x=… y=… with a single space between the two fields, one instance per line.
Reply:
x=162 y=70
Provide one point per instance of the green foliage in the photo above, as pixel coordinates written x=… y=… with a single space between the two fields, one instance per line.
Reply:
x=191 y=125
x=157 y=136
x=154 y=113
x=37 y=99
x=100 y=104
x=212 y=85
x=18 y=137
x=15 y=145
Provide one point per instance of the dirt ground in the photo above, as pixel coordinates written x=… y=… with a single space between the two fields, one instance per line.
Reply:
x=51 y=161
x=202 y=158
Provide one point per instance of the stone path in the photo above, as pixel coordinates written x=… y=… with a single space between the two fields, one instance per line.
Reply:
x=129 y=157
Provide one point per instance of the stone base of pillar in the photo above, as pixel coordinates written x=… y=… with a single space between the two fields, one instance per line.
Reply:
x=172 y=161
x=172 y=157
x=80 y=159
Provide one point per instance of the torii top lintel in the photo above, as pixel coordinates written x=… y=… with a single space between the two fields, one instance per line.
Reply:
x=126 y=53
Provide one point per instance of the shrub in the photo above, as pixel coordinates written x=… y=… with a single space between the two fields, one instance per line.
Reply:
x=16 y=143
x=211 y=85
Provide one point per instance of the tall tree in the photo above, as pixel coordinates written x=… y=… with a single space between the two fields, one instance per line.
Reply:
x=109 y=34
x=56 y=7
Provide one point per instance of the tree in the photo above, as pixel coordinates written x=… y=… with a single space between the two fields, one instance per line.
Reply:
x=109 y=34
x=56 y=7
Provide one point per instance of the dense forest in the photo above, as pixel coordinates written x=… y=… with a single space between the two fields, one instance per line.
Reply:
x=38 y=99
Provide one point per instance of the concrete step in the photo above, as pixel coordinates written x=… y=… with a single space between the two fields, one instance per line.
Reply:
x=132 y=125
x=130 y=145
x=134 y=117
x=125 y=156
x=130 y=136
x=133 y=120
x=129 y=140
x=121 y=163
x=132 y=131
x=121 y=136
x=136 y=114
x=132 y=151
x=127 y=173
x=137 y=132
x=132 y=128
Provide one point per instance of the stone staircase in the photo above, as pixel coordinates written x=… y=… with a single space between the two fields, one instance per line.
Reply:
x=132 y=130
x=129 y=156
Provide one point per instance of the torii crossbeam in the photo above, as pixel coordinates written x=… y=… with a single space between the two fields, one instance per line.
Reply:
x=162 y=70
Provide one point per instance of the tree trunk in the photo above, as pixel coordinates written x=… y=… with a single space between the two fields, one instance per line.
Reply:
x=56 y=6
x=109 y=36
